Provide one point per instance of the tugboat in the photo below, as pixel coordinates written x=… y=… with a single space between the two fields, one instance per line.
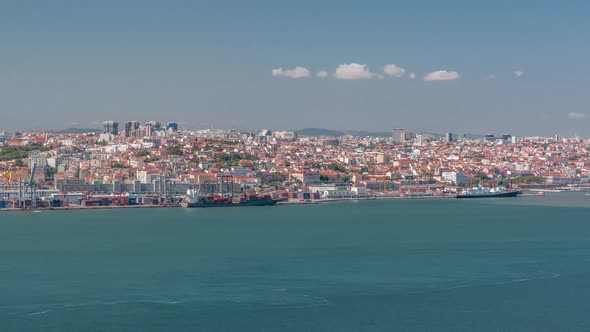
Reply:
x=487 y=192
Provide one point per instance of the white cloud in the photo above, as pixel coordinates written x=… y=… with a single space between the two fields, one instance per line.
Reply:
x=412 y=75
x=297 y=72
x=491 y=77
x=394 y=70
x=518 y=73
x=353 y=71
x=322 y=74
x=574 y=115
x=442 y=75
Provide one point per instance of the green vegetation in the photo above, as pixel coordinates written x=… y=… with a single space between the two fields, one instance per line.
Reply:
x=528 y=179
x=364 y=146
x=51 y=172
x=338 y=179
x=19 y=152
x=482 y=176
x=230 y=159
x=174 y=150
x=274 y=179
x=337 y=167
x=210 y=147
x=278 y=176
x=233 y=159
x=342 y=179
x=119 y=165
x=142 y=153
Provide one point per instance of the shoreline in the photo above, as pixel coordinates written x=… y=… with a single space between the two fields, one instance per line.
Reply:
x=288 y=202
x=66 y=208
x=293 y=201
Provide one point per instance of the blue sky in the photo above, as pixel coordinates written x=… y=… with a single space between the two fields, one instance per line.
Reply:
x=210 y=63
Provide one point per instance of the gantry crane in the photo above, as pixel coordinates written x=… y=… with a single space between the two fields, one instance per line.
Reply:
x=28 y=190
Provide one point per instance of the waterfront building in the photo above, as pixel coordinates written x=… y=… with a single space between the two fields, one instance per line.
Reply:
x=458 y=178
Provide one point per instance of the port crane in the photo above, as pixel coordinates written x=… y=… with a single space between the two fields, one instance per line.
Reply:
x=28 y=190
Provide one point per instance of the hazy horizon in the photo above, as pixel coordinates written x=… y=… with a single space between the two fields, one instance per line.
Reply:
x=426 y=66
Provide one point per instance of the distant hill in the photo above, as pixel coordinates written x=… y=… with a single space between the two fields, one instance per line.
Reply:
x=316 y=132
x=77 y=131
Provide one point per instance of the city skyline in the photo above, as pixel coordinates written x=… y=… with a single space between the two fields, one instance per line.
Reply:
x=427 y=66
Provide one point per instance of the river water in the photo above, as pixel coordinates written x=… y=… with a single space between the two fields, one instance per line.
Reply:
x=398 y=265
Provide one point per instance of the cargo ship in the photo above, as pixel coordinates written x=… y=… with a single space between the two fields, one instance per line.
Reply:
x=486 y=192
x=193 y=200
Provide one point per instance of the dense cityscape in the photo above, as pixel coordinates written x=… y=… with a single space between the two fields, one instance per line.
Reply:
x=153 y=164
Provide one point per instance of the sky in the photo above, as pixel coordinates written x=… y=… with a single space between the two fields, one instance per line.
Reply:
x=517 y=67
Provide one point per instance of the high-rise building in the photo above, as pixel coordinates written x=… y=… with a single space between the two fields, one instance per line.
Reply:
x=128 y=126
x=40 y=161
x=147 y=130
x=131 y=128
x=408 y=136
x=398 y=135
x=155 y=125
x=172 y=126
x=449 y=137
x=111 y=127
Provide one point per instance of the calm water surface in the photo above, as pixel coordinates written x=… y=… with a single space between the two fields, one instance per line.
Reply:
x=413 y=265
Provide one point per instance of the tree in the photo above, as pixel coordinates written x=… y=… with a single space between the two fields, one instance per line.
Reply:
x=230 y=159
x=337 y=167
x=119 y=165
x=51 y=172
x=18 y=152
x=142 y=153
x=278 y=177
x=482 y=176
x=528 y=179
x=174 y=150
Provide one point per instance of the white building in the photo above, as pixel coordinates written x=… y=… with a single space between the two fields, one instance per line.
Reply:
x=145 y=177
x=458 y=178
x=239 y=171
